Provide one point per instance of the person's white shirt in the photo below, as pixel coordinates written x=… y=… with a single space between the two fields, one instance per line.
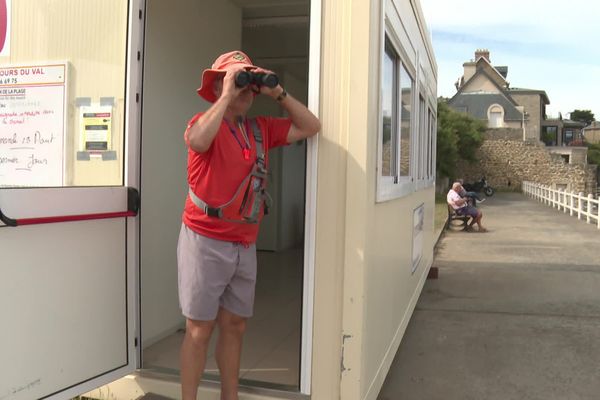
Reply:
x=452 y=197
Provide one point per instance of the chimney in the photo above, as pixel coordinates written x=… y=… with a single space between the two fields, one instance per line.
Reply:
x=485 y=53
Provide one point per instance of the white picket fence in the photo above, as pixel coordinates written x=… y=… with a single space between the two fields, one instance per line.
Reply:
x=577 y=204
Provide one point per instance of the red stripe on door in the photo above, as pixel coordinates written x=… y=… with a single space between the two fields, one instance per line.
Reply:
x=72 y=218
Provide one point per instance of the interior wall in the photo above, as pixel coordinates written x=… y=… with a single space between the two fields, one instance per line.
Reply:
x=293 y=177
x=181 y=41
x=282 y=48
x=283 y=228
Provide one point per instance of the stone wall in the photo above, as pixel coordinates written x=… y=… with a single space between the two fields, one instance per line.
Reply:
x=575 y=154
x=507 y=162
x=592 y=179
x=503 y=133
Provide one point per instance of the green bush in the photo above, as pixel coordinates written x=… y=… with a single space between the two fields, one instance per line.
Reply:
x=593 y=153
x=458 y=137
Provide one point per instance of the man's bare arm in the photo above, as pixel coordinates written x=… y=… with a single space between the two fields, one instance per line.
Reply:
x=202 y=133
x=304 y=122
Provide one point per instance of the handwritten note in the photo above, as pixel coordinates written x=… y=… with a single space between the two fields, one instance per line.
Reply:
x=32 y=125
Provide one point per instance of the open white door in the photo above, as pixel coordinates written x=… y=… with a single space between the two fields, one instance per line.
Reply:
x=69 y=170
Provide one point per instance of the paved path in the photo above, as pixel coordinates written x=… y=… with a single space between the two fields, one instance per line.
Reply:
x=515 y=313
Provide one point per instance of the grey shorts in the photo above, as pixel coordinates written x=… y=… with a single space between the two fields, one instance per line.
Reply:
x=468 y=210
x=214 y=273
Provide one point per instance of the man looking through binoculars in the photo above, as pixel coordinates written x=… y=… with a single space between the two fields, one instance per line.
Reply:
x=216 y=252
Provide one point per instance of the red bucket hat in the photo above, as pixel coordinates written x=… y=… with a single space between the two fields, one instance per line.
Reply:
x=224 y=62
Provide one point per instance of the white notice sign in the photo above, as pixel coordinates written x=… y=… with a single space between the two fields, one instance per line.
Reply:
x=32 y=125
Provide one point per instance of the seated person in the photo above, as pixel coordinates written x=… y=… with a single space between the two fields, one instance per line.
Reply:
x=472 y=197
x=461 y=207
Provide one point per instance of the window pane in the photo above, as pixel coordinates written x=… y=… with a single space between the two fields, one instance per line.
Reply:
x=428 y=144
x=550 y=135
x=431 y=157
x=422 y=138
x=62 y=94
x=389 y=101
x=406 y=88
x=568 y=136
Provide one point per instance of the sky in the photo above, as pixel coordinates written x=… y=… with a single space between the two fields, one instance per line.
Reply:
x=547 y=45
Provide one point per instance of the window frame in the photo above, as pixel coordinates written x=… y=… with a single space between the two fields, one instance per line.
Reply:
x=393 y=187
x=392 y=178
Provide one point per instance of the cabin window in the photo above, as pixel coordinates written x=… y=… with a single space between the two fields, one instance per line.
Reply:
x=406 y=89
x=422 y=140
x=431 y=145
x=395 y=172
x=389 y=117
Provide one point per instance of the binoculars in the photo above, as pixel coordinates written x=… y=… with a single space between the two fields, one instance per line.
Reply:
x=246 y=78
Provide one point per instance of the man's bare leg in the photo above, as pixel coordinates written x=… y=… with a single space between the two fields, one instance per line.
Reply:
x=193 y=355
x=229 y=351
x=478 y=221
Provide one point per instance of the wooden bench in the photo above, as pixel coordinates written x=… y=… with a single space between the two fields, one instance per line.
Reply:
x=456 y=222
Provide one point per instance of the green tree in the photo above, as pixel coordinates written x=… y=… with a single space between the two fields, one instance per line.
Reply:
x=585 y=116
x=458 y=137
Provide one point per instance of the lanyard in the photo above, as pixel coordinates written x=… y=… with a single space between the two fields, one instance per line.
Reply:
x=246 y=148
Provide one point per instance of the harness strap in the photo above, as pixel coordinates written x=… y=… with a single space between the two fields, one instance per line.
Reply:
x=260 y=153
x=259 y=171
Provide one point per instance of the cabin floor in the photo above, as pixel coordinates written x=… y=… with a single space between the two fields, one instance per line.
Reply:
x=271 y=350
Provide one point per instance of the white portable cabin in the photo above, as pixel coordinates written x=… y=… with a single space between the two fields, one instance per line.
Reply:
x=94 y=98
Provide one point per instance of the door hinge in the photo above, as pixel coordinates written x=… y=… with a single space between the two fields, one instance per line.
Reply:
x=140 y=14
x=137 y=97
x=342 y=365
x=135 y=342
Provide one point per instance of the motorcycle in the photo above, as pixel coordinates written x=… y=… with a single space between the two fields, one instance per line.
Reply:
x=480 y=186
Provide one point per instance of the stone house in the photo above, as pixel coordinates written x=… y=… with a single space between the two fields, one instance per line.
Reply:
x=562 y=132
x=484 y=93
x=520 y=142
x=591 y=133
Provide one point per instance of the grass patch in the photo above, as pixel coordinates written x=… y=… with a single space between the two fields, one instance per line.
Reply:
x=441 y=212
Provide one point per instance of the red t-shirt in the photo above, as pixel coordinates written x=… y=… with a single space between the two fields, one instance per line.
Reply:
x=216 y=174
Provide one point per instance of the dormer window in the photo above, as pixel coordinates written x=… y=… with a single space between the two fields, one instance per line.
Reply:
x=495 y=116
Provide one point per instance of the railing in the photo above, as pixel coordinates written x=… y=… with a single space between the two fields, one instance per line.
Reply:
x=577 y=204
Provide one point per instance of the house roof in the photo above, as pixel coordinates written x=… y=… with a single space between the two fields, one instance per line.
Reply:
x=478 y=103
x=502 y=70
x=500 y=89
x=483 y=60
x=565 y=123
x=573 y=124
x=593 y=125
x=530 y=91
